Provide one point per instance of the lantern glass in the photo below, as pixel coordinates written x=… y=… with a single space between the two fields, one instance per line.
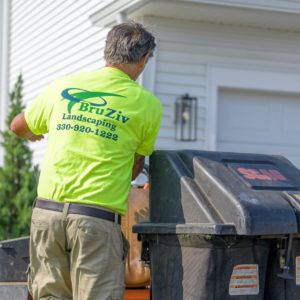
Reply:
x=186 y=118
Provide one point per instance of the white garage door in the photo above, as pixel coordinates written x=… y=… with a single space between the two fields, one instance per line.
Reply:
x=259 y=122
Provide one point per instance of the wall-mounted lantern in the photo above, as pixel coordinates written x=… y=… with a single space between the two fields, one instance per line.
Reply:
x=186 y=118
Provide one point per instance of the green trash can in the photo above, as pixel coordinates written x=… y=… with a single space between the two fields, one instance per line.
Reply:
x=221 y=226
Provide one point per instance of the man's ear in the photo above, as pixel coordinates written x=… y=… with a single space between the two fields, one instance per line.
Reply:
x=145 y=59
x=148 y=55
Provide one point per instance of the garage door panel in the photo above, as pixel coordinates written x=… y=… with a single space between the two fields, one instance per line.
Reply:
x=291 y=150
x=291 y=119
x=273 y=139
x=238 y=116
x=259 y=122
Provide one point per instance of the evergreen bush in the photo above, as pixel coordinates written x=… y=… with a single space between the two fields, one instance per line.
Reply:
x=17 y=175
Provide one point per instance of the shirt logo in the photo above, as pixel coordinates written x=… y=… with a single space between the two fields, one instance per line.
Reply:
x=75 y=95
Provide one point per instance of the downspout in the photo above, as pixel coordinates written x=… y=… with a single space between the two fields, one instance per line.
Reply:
x=4 y=67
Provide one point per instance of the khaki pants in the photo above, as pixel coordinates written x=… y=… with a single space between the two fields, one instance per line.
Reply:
x=75 y=257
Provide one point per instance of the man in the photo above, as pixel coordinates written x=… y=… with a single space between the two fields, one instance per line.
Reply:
x=101 y=125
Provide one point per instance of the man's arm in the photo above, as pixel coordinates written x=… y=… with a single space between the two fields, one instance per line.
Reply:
x=138 y=166
x=21 y=129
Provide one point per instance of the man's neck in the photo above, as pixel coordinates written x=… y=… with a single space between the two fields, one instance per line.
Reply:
x=129 y=69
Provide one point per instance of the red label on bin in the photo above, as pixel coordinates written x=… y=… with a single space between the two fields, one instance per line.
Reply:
x=261 y=174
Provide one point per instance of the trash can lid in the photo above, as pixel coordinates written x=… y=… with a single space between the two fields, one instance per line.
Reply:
x=252 y=193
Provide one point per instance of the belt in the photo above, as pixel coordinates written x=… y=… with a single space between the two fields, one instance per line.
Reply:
x=79 y=210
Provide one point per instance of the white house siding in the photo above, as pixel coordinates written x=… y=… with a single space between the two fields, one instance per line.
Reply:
x=186 y=52
x=52 y=38
x=4 y=50
x=1 y=56
x=1 y=67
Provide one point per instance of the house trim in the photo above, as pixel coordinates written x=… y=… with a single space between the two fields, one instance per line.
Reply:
x=279 y=6
x=279 y=16
x=241 y=78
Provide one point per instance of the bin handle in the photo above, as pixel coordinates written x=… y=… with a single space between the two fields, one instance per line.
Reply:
x=286 y=268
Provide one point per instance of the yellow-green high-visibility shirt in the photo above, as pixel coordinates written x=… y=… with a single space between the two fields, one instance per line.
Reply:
x=96 y=122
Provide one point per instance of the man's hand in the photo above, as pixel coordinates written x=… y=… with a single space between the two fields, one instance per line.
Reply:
x=33 y=138
x=138 y=166
x=21 y=129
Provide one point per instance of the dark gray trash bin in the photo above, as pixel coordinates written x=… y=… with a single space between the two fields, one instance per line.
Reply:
x=220 y=225
x=14 y=259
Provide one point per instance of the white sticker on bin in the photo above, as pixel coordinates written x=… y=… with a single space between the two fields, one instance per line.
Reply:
x=298 y=270
x=244 y=280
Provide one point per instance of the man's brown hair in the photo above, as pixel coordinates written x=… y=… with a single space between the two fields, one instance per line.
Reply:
x=128 y=43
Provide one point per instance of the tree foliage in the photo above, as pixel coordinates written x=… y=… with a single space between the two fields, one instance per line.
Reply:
x=17 y=175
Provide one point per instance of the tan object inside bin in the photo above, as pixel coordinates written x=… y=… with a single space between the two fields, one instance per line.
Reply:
x=136 y=273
